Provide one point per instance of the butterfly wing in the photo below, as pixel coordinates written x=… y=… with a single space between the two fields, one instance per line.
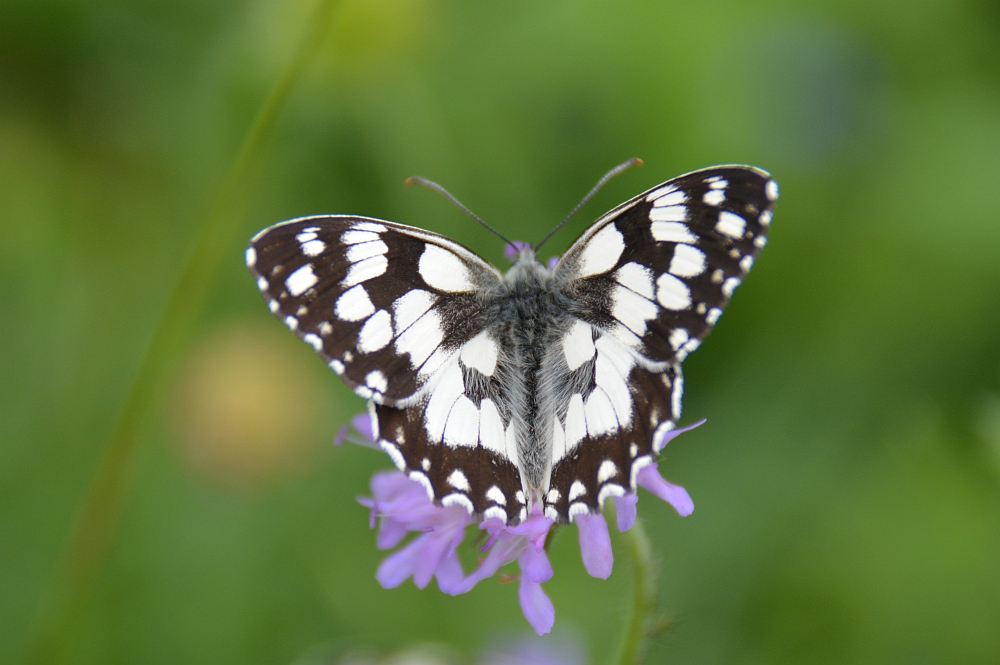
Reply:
x=385 y=305
x=648 y=281
x=402 y=316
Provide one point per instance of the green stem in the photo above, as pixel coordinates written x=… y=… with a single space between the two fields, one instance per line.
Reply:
x=642 y=624
x=89 y=544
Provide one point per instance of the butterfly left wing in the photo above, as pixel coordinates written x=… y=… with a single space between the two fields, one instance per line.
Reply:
x=385 y=305
x=403 y=316
x=646 y=283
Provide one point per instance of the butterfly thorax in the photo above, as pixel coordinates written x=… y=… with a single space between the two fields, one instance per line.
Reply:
x=533 y=318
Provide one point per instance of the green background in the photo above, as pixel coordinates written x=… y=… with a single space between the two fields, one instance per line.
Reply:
x=846 y=483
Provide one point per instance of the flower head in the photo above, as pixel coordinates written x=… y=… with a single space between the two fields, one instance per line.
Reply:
x=400 y=505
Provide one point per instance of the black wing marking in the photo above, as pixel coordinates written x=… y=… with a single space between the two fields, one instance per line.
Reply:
x=657 y=271
x=385 y=305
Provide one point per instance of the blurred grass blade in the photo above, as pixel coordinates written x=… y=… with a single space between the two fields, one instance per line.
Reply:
x=89 y=544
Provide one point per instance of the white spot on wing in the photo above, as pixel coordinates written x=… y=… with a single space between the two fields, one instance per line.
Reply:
x=687 y=261
x=576 y=422
x=366 y=250
x=447 y=389
x=611 y=373
x=731 y=224
x=301 y=280
x=611 y=489
x=637 y=465
x=674 y=198
x=425 y=481
x=668 y=214
x=637 y=277
x=369 y=226
x=376 y=333
x=354 y=237
x=632 y=309
x=558 y=441
x=678 y=336
x=662 y=191
x=601 y=252
x=771 y=189
x=730 y=285
x=362 y=271
x=480 y=353
x=354 y=304
x=607 y=471
x=251 y=257
x=462 y=428
x=443 y=270
x=421 y=339
x=313 y=247
x=409 y=307
x=672 y=293
x=746 y=263
x=376 y=381
x=262 y=284
x=672 y=232
x=713 y=316
x=458 y=480
x=493 y=512
x=337 y=366
x=714 y=197
x=457 y=499
x=313 y=340
x=491 y=428
x=765 y=218
x=578 y=344
x=496 y=495
x=600 y=413
x=576 y=490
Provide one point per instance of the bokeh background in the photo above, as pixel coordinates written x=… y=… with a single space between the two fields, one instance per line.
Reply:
x=846 y=482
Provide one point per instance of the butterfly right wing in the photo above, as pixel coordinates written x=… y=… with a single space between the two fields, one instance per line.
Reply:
x=646 y=283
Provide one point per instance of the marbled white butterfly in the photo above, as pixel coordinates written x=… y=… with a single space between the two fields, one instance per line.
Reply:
x=541 y=387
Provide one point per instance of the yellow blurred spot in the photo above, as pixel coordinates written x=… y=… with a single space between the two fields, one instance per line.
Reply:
x=246 y=407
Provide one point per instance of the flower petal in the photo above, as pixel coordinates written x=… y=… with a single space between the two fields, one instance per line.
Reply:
x=390 y=533
x=363 y=424
x=666 y=437
x=625 y=510
x=595 y=545
x=449 y=575
x=675 y=495
x=536 y=606
x=396 y=567
x=535 y=565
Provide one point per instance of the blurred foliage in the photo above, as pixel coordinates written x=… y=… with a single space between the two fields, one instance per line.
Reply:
x=847 y=479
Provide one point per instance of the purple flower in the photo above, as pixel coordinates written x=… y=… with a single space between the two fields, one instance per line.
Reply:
x=516 y=247
x=403 y=506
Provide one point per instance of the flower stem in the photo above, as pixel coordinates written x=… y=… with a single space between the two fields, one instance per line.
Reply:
x=641 y=625
x=88 y=548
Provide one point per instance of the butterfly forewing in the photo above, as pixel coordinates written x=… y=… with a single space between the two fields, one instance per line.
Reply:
x=658 y=270
x=385 y=305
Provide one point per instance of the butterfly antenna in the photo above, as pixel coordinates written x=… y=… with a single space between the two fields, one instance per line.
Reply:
x=635 y=161
x=430 y=184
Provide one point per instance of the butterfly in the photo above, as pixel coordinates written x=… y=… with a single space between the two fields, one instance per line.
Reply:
x=542 y=388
